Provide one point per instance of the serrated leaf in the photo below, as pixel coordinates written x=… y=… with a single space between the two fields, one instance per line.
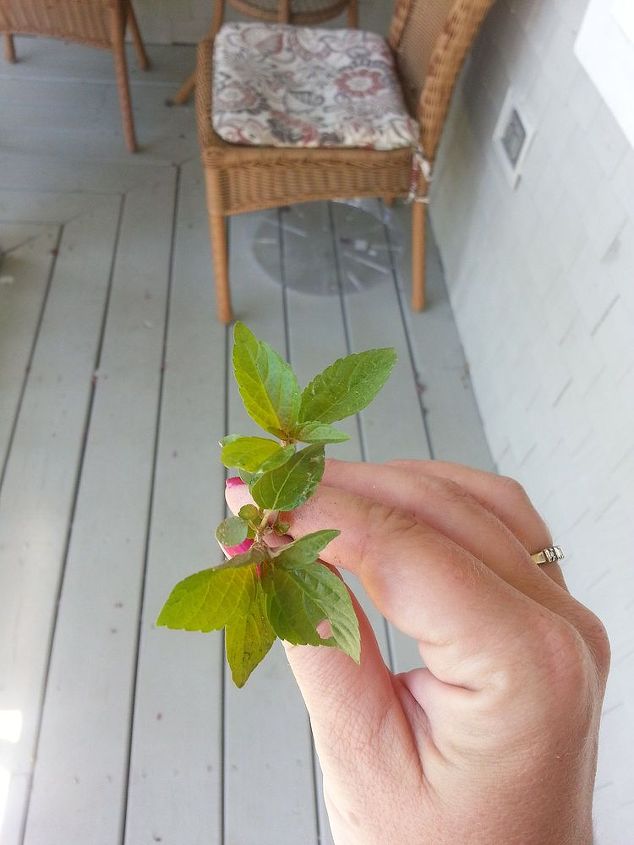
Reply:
x=248 y=453
x=291 y=484
x=304 y=550
x=207 y=600
x=232 y=531
x=248 y=638
x=267 y=384
x=317 y=432
x=297 y=600
x=347 y=386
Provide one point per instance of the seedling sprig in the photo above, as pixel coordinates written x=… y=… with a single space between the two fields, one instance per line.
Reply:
x=261 y=592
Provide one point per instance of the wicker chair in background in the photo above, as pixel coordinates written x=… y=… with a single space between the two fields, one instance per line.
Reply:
x=97 y=23
x=429 y=39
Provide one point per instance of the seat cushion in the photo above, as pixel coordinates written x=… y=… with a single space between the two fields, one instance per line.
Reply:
x=290 y=86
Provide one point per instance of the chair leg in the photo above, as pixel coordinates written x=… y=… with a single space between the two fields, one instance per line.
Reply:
x=218 y=18
x=218 y=236
x=139 y=46
x=353 y=14
x=419 y=210
x=9 y=48
x=185 y=91
x=218 y=230
x=121 y=70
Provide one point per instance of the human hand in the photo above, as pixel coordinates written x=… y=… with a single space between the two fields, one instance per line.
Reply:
x=495 y=740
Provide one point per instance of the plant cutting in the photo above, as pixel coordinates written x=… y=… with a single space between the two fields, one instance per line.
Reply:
x=268 y=589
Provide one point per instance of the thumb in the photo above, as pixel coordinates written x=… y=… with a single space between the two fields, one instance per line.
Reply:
x=337 y=691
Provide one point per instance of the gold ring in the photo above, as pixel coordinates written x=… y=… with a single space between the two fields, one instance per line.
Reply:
x=550 y=555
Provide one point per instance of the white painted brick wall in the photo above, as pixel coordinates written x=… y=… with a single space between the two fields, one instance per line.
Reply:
x=542 y=284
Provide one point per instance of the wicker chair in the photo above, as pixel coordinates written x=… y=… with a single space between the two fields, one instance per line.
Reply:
x=98 y=23
x=429 y=39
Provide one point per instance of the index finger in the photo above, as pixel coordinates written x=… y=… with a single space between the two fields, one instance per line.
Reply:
x=503 y=496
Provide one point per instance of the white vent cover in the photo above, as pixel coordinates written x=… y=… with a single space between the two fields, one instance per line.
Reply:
x=512 y=137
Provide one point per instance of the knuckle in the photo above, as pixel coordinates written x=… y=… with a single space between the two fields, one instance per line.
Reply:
x=552 y=662
x=384 y=526
x=596 y=636
x=399 y=463
x=594 y=633
x=569 y=675
x=512 y=489
x=550 y=687
x=445 y=489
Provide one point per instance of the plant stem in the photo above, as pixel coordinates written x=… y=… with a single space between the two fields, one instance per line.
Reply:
x=269 y=518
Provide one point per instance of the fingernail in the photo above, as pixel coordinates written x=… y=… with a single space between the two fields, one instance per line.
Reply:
x=234 y=481
x=244 y=546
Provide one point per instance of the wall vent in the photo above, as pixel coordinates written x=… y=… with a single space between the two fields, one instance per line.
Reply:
x=511 y=138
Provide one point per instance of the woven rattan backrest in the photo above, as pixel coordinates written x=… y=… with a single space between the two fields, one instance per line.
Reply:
x=87 y=21
x=430 y=39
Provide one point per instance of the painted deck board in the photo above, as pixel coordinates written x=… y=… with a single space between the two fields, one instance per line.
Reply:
x=310 y=352
x=267 y=735
x=442 y=375
x=49 y=59
x=175 y=785
x=25 y=272
x=90 y=115
x=124 y=476
x=83 y=749
x=39 y=483
x=392 y=426
x=14 y=235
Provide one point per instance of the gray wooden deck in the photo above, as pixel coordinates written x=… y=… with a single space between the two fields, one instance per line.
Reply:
x=114 y=387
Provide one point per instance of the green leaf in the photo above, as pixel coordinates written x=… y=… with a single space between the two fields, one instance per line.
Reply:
x=247 y=477
x=248 y=638
x=256 y=555
x=232 y=531
x=347 y=386
x=304 y=550
x=248 y=452
x=231 y=598
x=277 y=459
x=267 y=384
x=250 y=513
x=297 y=600
x=207 y=601
x=317 y=432
x=291 y=484
x=281 y=528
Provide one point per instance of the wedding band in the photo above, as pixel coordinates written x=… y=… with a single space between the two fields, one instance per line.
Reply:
x=550 y=555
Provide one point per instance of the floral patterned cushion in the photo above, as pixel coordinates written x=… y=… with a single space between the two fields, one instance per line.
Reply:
x=290 y=86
